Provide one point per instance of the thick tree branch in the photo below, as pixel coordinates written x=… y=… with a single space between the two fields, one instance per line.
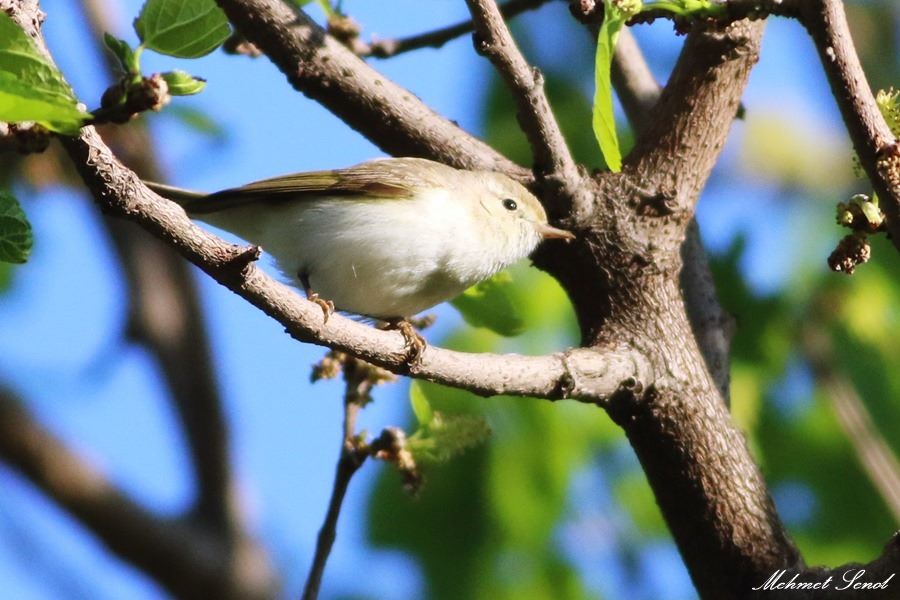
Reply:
x=674 y=155
x=552 y=159
x=387 y=48
x=326 y=71
x=623 y=282
x=875 y=144
x=186 y=559
x=712 y=326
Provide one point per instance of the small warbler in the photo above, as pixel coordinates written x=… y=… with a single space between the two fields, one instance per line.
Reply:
x=386 y=238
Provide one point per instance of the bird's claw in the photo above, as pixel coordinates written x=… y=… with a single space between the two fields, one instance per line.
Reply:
x=327 y=306
x=415 y=344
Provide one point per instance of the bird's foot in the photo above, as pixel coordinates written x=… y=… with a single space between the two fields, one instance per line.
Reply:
x=327 y=306
x=415 y=343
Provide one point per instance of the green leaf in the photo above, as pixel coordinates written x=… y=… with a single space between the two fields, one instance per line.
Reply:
x=15 y=231
x=420 y=405
x=183 y=84
x=128 y=58
x=182 y=28
x=490 y=304
x=447 y=436
x=31 y=87
x=5 y=276
x=604 y=121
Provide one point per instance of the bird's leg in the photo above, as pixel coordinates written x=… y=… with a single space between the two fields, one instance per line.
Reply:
x=327 y=306
x=415 y=343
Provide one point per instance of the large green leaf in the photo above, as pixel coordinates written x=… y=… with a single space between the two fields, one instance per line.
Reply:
x=182 y=28
x=15 y=231
x=31 y=87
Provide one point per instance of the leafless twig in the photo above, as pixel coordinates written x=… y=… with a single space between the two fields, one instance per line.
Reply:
x=349 y=461
x=387 y=48
x=872 y=138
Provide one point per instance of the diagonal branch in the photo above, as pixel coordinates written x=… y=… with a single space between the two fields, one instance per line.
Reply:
x=552 y=159
x=675 y=153
x=387 y=48
x=189 y=561
x=826 y=22
x=872 y=138
x=588 y=374
x=326 y=71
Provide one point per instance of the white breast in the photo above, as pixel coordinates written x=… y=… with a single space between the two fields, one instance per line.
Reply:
x=382 y=258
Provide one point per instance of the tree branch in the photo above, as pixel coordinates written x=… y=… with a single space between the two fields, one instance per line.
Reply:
x=675 y=153
x=388 y=48
x=165 y=317
x=326 y=71
x=186 y=559
x=872 y=450
x=872 y=138
x=351 y=458
x=552 y=159
x=711 y=324
x=579 y=373
x=623 y=282
x=875 y=144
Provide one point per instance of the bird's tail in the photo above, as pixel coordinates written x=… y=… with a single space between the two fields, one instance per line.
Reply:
x=187 y=198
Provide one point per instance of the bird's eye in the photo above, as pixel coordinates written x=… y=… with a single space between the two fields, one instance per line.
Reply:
x=510 y=204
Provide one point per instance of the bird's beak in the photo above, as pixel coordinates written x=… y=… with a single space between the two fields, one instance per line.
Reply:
x=547 y=232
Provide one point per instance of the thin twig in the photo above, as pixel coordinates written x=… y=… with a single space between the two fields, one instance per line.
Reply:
x=552 y=159
x=826 y=22
x=352 y=457
x=388 y=48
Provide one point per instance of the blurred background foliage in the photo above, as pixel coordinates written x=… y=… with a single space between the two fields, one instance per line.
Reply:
x=555 y=505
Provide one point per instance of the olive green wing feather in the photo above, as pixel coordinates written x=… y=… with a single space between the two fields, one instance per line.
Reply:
x=396 y=178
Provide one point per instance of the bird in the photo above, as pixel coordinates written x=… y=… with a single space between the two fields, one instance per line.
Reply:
x=384 y=239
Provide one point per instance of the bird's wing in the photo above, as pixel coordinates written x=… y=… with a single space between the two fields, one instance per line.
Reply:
x=388 y=178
